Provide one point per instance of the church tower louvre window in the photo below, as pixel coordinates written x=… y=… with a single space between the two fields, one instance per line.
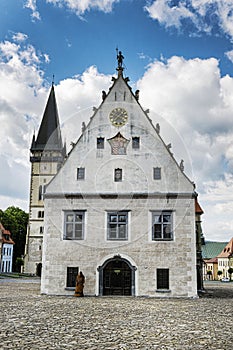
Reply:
x=131 y=221
x=47 y=155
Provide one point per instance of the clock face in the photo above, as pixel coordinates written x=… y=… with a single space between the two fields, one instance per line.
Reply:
x=118 y=116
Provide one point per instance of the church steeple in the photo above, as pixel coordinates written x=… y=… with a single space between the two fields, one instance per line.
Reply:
x=49 y=135
x=47 y=157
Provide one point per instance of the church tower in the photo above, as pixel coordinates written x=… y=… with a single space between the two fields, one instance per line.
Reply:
x=47 y=156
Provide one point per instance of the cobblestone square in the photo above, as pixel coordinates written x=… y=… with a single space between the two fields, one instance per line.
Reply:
x=31 y=321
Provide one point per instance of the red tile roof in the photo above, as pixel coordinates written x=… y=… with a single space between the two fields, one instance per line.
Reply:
x=227 y=250
x=5 y=235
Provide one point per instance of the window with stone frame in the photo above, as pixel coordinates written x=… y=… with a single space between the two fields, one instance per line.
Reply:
x=135 y=142
x=80 y=173
x=117 y=225
x=71 y=276
x=157 y=173
x=74 y=225
x=118 y=175
x=162 y=226
x=162 y=279
x=100 y=142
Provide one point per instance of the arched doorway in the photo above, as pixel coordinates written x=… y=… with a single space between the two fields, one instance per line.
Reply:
x=117 y=277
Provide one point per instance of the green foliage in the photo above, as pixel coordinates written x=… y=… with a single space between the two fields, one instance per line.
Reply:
x=219 y=272
x=230 y=271
x=15 y=220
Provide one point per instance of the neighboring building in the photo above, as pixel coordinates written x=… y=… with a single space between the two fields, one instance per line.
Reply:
x=210 y=250
x=47 y=156
x=6 y=250
x=225 y=260
x=211 y=269
x=120 y=209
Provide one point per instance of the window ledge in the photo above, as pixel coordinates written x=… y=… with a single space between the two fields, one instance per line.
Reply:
x=69 y=288
x=163 y=291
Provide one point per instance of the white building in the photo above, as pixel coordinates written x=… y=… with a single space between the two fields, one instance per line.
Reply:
x=6 y=251
x=120 y=209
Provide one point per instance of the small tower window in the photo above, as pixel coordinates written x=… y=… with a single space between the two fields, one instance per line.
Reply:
x=157 y=173
x=118 y=175
x=136 y=142
x=100 y=142
x=80 y=173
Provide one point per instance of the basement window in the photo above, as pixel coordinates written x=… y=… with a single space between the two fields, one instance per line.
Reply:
x=162 y=279
x=71 y=276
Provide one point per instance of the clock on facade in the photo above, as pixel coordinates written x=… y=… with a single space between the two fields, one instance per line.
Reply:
x=118 y=116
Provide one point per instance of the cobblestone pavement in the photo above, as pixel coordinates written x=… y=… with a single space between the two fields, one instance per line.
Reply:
x=30 y=321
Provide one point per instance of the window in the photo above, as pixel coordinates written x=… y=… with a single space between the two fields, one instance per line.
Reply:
x=118 y=225
x=41 y=229
x=118 y=175
x=157 y=173
x=71 y=276
x=80 y=173
x=162 y=278
x=135 y=142
x=40 y=195
x=74 y=225
x=100 y=142
x=162 y=226
x=40 y=214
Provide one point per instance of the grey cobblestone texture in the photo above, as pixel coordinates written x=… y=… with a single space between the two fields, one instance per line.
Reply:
x=31 y=321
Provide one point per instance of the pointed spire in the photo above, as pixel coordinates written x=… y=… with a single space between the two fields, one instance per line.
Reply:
x=49 y=135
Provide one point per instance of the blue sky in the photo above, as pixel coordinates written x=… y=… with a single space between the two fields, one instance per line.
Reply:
x=178 y=53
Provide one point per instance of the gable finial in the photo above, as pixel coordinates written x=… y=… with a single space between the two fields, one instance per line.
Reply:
x=120 y=58
x=53 y=80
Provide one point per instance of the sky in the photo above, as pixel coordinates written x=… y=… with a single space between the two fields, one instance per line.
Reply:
x=178 y=53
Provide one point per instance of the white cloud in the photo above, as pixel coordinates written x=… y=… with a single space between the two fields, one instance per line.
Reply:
x=81 y=6
x=31 y=4
x=205 y=15
x=19 y=37
x=169 y=15
x=20 y=77
x=229 y=55
x=193 y=105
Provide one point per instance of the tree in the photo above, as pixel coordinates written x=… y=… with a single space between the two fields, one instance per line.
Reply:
x=15 y=220
x=219 y=273
x=230 y=271
x=209 y=273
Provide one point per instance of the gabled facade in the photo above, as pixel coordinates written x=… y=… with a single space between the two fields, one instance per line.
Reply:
x=121 y=209
x=47 y=156
x=6 y=250
x=225 y=260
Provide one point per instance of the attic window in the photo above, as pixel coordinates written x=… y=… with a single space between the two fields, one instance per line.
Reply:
x=157 y=173
x=80 y=173
x=136 y=142
x=118 y=175
x=100 y=142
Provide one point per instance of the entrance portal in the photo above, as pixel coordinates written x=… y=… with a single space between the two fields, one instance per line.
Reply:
x=117 y=277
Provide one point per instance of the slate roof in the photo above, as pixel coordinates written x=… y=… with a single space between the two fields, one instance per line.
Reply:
x=212 y=249
x=49 y=135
